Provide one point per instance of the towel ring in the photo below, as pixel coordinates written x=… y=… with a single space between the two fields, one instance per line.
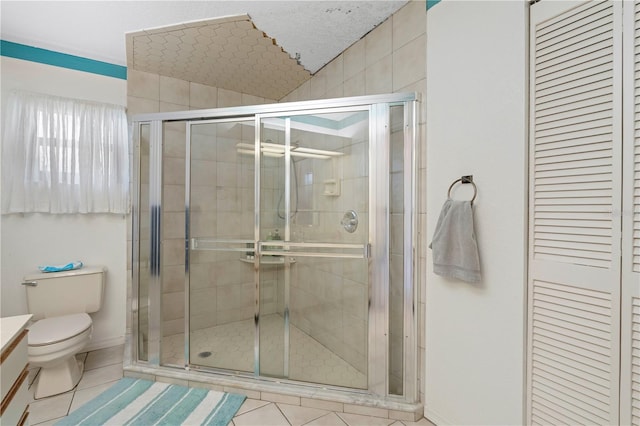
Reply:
x=464 y=179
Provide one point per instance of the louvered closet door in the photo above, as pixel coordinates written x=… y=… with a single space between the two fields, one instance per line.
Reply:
x=630 y=360
x=575 y=179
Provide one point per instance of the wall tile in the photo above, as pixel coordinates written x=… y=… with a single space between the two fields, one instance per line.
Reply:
x=378 y=43
x=378 y=77
x=137 y=105
x=229 y=98
x=335 y=72
x=174 y=171
x=174 y=91
x=173 y=305
x=336 y=92
x=318 y=85
x=169 y=107
x=409 y=23
x=354 y=59
x=202 y=96
x=409 y=63
x=143 y=85
x=355 y=86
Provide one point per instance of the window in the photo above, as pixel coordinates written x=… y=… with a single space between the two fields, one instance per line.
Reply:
x=64 y=156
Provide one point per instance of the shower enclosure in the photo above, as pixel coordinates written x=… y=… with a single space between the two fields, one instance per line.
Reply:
x=275 y=243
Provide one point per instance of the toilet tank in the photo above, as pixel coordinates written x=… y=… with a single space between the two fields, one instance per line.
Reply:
x=54 y=294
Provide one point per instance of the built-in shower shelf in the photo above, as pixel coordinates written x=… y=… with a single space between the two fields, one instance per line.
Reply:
x=269 y=260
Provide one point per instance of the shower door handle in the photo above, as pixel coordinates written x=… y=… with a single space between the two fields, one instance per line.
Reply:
x=289 y=249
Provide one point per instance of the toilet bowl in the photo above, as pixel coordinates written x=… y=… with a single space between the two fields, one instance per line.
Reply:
x=52 y=346
x=60 y=303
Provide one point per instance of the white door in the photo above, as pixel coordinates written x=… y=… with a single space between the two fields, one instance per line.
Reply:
x=630 y=360
x=575 y=181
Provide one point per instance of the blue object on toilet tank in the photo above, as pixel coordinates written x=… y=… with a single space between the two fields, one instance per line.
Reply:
x=68 y=267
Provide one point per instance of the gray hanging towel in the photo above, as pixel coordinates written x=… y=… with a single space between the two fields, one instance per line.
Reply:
x=455 y=250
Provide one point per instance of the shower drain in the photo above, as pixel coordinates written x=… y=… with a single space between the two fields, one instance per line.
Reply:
x=205 y=354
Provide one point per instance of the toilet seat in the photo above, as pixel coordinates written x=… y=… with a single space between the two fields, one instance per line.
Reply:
x=53 y=330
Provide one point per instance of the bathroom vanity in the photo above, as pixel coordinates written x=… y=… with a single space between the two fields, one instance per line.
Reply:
x=13 y=363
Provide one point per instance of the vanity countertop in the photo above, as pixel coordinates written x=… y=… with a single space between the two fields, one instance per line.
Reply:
x=10 y=327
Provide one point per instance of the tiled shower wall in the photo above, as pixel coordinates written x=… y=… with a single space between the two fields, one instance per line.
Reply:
x=390 y=59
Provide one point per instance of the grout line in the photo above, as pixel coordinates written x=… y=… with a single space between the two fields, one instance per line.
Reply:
x=283 y=415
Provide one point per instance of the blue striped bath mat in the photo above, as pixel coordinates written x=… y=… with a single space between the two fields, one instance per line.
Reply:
x=145 y=403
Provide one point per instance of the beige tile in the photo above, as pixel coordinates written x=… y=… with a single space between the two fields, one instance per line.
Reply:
x=170 y=107
x=298 y=416
x=359 y=420
x=378 y=78
x=330 y=419
x=250 y=404
x=335 y=72
x=422 y=422
x=101 y=375
x=404 y=415
x=202 y=96
x=276 y=397
x=104 y=357
x=269 y=415
x=366 y=411
x=335 y=92
x=354 y=86
x=318 y=85
x=378 y=42
x=398 y=423
x=137 y=105
x=48 y=422
x=173 y=305
x=410 y=63
x=143 y=85
x=409 y=23
x=354 y=59
x=324 y=405
x=174 y=91
x=83 y=396
x=50 y=408
x=251 y=99
x=246 y=392
x=229 y=98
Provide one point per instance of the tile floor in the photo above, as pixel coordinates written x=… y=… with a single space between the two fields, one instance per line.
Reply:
x=104 y=367
x=237 y=340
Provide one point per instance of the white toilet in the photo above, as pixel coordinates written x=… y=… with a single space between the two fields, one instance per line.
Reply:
x=60 y=302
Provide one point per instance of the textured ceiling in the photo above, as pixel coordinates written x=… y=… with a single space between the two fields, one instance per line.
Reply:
x=227 y=52
x=316 y=30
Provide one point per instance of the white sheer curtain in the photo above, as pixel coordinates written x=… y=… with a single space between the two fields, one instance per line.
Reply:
x=64 y=156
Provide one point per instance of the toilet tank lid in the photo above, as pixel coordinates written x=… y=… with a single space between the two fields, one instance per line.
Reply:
x=85 y=270
x=55 y=329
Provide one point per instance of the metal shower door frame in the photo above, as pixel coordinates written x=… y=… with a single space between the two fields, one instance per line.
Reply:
x=378 y=106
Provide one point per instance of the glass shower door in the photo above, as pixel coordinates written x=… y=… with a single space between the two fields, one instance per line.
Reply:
x=220 y=232
x=314 y=235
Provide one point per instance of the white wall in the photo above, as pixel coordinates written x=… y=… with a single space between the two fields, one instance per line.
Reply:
x=36 y=239
x=476 y=124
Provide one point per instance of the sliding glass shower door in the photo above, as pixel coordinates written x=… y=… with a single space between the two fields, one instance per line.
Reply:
x=313 y=247
x=220 y=226
x=291 y=276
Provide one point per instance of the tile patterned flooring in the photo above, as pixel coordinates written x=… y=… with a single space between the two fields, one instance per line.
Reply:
x=237 y=340
x=104 y=367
